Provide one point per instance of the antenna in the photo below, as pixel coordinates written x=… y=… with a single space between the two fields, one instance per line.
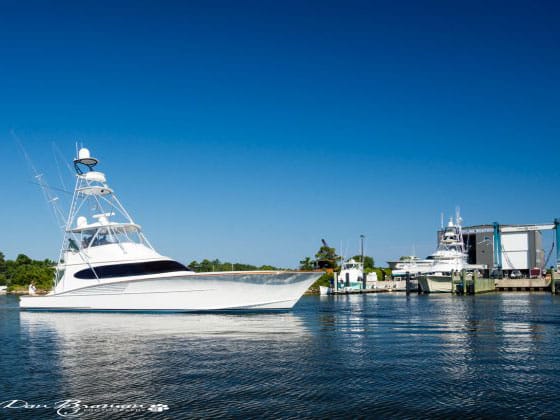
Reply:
x=458 y=219
x=441 y=214
x=50 y=198
x=362 y=237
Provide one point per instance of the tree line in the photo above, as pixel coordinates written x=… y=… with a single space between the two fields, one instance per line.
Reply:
x=19 y=273
x=207 y=266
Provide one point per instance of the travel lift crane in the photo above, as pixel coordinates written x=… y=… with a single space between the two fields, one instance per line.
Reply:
x=498 y=230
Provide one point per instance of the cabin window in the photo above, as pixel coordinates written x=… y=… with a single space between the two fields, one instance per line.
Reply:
x=131 y=269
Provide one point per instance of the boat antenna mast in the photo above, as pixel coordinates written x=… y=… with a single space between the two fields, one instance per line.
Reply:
x=51 y=199
x=459 y=226
x=458 y=218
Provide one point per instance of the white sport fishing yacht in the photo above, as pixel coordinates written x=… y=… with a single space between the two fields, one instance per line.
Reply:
x=107 y=264
x=450 y=257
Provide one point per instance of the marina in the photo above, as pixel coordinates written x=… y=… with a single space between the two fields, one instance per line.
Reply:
x=279 y=210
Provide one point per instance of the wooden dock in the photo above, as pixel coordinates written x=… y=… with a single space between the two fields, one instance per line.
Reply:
x=462 y=285
x=555 y=282
x=470 y=285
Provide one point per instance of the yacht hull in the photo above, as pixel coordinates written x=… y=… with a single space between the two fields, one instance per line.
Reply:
x=185 y=293
x=435 y=284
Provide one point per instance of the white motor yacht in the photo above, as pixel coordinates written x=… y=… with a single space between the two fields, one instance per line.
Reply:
x=107 y=264
x=413 y=266
x=450 y=257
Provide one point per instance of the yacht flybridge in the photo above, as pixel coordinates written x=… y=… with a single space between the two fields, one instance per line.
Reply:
x=106 y=263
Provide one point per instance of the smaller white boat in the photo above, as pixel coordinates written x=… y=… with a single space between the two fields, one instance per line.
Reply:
x=351 y=276
x=3 y=290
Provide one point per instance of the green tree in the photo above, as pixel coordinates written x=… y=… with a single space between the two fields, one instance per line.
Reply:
x=23 y=270
x=205 y=266
x=3 y=279
x=23 y=259
x=307 y=264
x=326 y=257
x=368 y=262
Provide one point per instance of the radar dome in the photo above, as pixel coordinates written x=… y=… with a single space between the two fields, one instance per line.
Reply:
x=83 y=153
x=81 y=221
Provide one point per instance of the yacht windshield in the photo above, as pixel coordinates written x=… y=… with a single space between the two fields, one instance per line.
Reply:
x=109 y=235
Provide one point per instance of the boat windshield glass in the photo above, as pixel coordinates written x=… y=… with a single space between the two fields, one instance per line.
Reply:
x=349 y=266
x=109 y=235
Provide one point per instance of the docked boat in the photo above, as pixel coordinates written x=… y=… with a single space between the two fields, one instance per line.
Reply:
x=106 y=263
x=450 y=257
x=412 y=266
x=350 y=278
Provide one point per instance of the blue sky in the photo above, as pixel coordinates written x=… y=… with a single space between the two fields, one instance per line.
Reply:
x=248 y=131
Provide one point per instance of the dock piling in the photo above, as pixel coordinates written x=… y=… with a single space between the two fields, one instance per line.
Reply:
x=407 y=283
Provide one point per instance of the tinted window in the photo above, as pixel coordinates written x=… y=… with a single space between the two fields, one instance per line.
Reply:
x=132 y=269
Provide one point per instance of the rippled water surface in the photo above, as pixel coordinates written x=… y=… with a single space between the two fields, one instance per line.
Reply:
x=382 y=355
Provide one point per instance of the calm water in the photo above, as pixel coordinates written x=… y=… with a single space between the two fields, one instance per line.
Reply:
x=372 y=356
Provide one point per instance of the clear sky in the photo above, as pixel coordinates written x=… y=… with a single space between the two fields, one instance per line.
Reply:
x=248 y=131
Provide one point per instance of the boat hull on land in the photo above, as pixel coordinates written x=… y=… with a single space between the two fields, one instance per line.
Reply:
x=226 y=291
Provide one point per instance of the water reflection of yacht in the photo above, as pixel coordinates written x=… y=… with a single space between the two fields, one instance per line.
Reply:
x=70 y=326
x=106 y=263
x=99 y=357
